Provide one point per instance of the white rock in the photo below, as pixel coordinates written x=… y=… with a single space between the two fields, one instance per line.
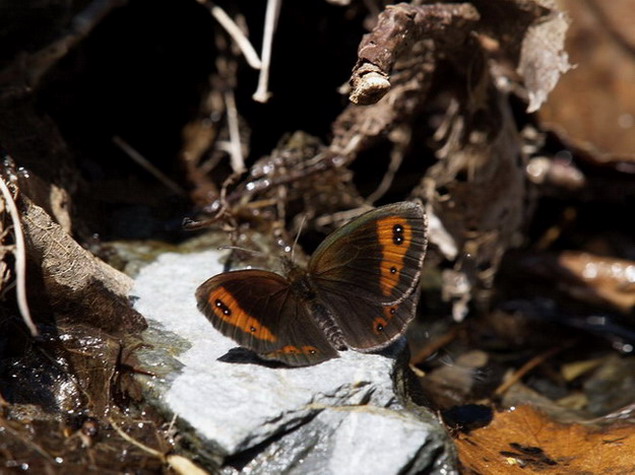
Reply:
x=347 y=404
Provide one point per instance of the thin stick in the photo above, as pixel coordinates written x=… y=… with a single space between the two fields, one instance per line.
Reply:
x=435 y=346
x=145 y=163
x=526 y=368
x=236 y=154
x=26 y=440
x=259 y=185
x=396 y=158
x=133 y=441
x=234 y=31
x=297 y=236
x=20 y=259
x=271 y=19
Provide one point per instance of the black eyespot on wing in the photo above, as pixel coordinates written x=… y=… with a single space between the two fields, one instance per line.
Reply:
x=376 y=257
x=259 y=310
x=223 y=307
x=369 y=327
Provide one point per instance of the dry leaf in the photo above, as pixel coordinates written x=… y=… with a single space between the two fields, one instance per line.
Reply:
x=571 y=371
x=593 y=106
x=543 y=59
x=525 y=441
x=74 y=284
x=595 y=278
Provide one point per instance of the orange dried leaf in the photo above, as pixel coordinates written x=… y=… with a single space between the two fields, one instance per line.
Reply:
x=526 y=441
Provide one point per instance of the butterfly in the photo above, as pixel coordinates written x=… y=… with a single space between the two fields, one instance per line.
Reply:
x=359 y=291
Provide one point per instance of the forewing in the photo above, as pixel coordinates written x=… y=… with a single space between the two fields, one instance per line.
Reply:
x=259 y=311
x=377 y=257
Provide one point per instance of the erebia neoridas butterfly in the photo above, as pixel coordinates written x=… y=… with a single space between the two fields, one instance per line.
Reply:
x=359 y=291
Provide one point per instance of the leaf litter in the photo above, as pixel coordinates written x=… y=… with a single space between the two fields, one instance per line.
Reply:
x=528 y=292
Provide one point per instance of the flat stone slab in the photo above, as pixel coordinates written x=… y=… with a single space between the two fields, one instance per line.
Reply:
x=342 y=416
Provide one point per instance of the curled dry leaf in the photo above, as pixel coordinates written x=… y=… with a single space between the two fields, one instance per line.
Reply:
x=95 y=357
x=397 y=28
x=75 y=285
x=542 y=59
x=526 y=441
x=402 y=48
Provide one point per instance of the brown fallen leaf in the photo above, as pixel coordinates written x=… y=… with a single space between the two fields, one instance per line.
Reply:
x=594 y=105
x=590 y=278
x=595 y=278
x=71 y=283
x=525 y=441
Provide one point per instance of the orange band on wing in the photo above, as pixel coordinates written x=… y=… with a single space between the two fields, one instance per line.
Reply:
x=294 y=350
x=227 y=308
x=395 y=238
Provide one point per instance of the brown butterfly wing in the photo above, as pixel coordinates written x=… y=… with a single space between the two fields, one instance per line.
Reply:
x=368 y=326
x=259 y=311
x=376 y=257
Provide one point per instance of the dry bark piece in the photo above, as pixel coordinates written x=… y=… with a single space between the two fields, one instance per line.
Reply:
x=409 y=60
x=75 y=285
x=524 y=441
x=398 y=27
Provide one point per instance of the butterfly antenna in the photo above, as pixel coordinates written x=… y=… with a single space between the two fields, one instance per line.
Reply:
x=244 y=249
x=297 y=237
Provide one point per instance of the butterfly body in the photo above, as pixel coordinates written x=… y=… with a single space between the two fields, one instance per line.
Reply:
x=304 y=291
x=359 y=291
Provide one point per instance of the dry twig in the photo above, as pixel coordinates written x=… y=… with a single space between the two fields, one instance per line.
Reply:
x=235 y=148
x=271 y=19
x=396 y=159
x=234 y=31
x=20 y=258
x=145 y=163
x=526 y=368
x=435 y=346
x=180 y=464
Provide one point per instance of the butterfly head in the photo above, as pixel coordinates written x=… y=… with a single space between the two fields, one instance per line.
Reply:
x=291 y=269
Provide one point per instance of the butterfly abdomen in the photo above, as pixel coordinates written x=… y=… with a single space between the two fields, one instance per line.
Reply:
x=326 y=323
x=303 y=289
